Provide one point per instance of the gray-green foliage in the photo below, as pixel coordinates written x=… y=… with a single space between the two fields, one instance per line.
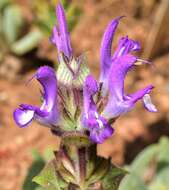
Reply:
x=13 y=37
x=58 y=175
x=50 y=180
x=37 y=165
x=150 y=169
x=11 y=23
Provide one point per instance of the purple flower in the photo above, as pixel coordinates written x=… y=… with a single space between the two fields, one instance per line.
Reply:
x=47 y=114
x=60 y=36
x=125 y=46
x=118 y=102
x=99 y=128
x=102 y=103
x=106 y=46
x=113 y=71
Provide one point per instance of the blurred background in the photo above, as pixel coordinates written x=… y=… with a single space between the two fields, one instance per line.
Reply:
x=25 y=27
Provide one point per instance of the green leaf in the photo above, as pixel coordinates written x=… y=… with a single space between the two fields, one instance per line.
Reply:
x=132 y=182
x=150 y=169
x=113 y=178
x=164 y=150
x=36 y=155
x=157 y=185
x=102 y=167
x=3 y=3
x=35 y=168
x=39 y=188
x=12 y=23
x=143 y=160
x=27 y=43
x=48 y=153
x=48 y=178
x=161 y=180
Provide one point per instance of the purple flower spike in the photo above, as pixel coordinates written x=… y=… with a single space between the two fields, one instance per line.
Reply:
x=106 y=46
x=60 y=36
x=118 y=102
x=47 y=113
x=99 y=128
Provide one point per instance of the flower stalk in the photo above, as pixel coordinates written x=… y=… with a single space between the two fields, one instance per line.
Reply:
x=77 y=167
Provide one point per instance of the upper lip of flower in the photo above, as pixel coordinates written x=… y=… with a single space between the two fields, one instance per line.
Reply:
x=125 y=46
x=60 y=36
x=106 y=46
x=47 y=113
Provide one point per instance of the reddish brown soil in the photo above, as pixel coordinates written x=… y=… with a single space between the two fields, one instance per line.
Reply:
x=133 y=131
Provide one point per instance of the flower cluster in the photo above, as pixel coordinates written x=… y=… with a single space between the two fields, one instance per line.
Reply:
x=74 y=100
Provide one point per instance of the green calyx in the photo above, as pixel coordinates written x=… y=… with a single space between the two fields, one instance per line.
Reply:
x=72 y=72
x=79 y=168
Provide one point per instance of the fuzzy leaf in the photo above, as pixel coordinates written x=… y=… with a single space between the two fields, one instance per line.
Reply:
x=143 y=160
x=34 y=169
x=164 y=150
x=48 y=178
x=113 y=178
x=39 y=188
x=12 y=23
x=132 y=182
x=3 y=3
x=27 y=43
x=102 y=166
x=150 y=169
x=161 y=180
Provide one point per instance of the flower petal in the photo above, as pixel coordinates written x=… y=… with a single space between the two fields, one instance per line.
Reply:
x=118 y=102
x=55 y=39
x=48 y=112
x=148 y=103
x=119 y=107
x=23 y=117
x=118 y=71
x=99 y=128
x=89 y=90
x=101 y=131
x=106 y=45
x=61 y=37
x=126 y=46
x=140 y=94
x=47 y=78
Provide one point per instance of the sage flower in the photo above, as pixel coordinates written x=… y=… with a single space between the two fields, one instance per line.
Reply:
x=47 y=113
x=118 y=102
x=125 y=46
x=113 y=71
x=74 y=101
